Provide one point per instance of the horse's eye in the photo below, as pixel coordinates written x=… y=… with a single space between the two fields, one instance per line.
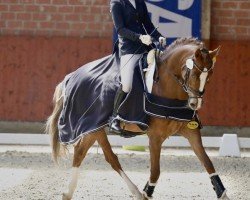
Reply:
x=194 y=76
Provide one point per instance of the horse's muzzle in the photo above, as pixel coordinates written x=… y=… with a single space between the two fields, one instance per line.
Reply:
x=195 y=103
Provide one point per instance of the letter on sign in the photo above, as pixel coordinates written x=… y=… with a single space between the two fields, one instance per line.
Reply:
x=175 y=25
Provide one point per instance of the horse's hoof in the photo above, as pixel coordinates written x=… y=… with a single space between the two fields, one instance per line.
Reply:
x=224 y=197
x=65 y=197
x=139 y=197
x=144 y=198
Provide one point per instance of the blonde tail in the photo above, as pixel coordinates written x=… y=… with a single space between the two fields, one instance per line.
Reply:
x=51 y=125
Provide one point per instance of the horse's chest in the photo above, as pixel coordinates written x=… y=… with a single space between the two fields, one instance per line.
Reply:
x=165 y=127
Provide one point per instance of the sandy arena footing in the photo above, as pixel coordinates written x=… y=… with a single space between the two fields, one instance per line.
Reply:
x=31 y=175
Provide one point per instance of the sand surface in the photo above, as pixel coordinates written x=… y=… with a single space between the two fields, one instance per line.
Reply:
x=33 y=176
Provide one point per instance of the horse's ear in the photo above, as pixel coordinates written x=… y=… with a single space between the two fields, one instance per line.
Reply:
x=214 y=53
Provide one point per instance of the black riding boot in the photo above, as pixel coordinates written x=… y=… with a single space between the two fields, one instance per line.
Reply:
x=218 y=186
x=115 y=123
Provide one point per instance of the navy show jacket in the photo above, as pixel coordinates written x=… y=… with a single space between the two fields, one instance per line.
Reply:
x=129 y=23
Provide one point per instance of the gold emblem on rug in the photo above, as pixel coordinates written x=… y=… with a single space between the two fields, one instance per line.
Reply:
x=193 y=125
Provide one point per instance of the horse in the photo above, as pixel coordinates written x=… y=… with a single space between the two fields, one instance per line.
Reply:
x=184 y=68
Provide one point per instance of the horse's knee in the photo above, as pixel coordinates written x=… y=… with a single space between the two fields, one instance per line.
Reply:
x=198 y=148
x=196 y=143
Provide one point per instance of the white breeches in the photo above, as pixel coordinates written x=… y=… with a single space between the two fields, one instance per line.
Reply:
x=127 y=67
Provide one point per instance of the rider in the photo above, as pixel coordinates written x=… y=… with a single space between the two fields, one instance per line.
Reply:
x=134 y=28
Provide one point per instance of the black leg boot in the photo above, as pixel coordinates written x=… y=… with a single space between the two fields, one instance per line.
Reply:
x=218 y=186
x=149 y=190
x=115 y=123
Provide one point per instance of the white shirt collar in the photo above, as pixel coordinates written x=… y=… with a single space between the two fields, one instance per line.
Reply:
x=133 y=3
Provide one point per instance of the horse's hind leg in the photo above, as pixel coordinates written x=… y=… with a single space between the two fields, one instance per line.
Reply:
x=112 y=159
x=194 y=138
x=80 y=151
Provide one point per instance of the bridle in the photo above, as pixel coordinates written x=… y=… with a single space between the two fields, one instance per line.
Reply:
x=185 y=82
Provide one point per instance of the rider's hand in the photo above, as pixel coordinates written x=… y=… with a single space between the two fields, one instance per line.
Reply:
x=163 y=41
x=146 y=39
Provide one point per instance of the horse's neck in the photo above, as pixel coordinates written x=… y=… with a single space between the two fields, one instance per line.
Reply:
x=168 y=86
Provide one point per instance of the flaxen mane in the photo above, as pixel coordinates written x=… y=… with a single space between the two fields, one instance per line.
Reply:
x=179 y=43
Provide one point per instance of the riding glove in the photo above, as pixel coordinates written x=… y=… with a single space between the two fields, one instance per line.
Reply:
x=163 y=41
x=146 y=39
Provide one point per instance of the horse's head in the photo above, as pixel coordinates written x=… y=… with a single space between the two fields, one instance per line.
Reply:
x=195 y=73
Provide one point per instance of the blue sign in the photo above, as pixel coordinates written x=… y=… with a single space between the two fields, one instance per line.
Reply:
x=176 y=18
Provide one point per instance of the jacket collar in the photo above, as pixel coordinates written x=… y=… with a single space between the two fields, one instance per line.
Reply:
x=130 y=4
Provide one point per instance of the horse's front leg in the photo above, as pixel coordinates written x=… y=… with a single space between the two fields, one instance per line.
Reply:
x=155 y=143
x=194 y=138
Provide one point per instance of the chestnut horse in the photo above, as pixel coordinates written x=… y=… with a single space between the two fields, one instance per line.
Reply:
x=178 y=79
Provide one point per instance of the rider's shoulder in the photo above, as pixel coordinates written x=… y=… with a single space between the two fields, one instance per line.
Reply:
x=116 y=1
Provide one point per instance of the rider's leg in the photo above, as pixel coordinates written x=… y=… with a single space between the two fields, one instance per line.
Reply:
x=115 y=123
x=128 y=63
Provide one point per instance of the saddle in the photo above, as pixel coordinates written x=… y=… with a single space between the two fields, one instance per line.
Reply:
x=150 y=68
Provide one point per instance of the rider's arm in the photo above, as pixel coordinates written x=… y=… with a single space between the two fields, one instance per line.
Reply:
x=149 y=25
x=116 y=11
